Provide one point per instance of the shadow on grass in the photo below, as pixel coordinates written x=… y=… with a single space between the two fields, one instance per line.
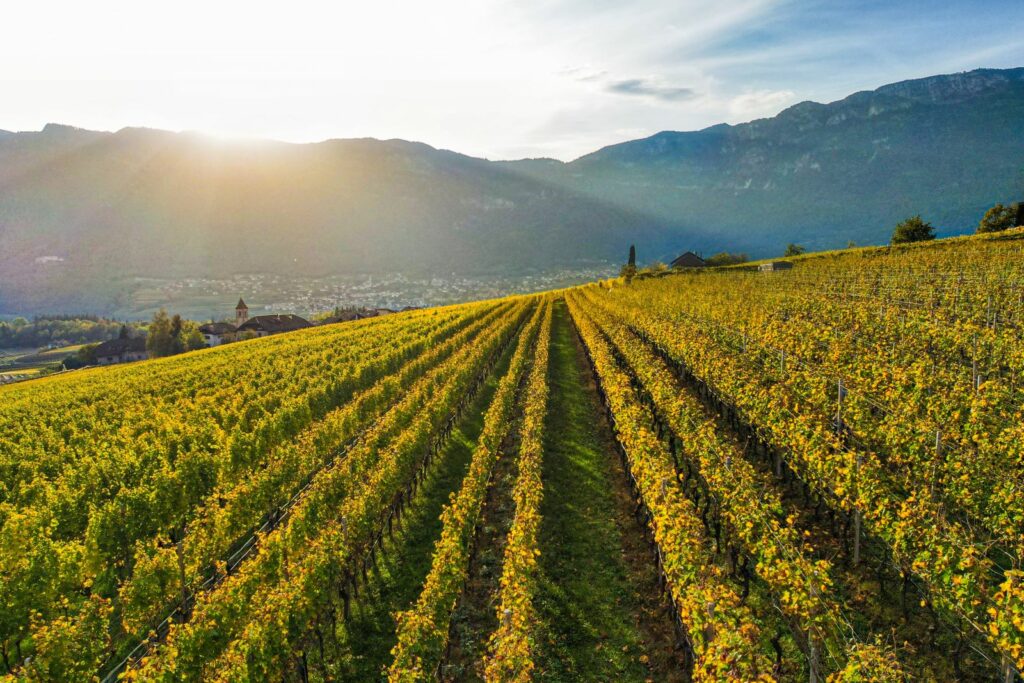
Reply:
x=366 y=639
x=595 y=595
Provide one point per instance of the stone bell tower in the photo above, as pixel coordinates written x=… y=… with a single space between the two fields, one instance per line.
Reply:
x=241 y=312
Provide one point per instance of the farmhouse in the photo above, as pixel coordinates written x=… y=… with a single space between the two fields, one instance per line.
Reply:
x=115 y=351
x=245 y=327
x=265 y=325
x=688 y=260
x=216 y=334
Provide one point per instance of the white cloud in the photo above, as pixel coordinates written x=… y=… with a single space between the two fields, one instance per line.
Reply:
x=759 y=104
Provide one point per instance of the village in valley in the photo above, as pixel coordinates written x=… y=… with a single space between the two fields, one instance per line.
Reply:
x=130 y=348
x=199 y=298
x=134 y=348
x=166 y=335
x=132 y=342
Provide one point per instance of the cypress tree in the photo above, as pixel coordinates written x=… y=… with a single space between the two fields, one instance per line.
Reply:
x=632 y=255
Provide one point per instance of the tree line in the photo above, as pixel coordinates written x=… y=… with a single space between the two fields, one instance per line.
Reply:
x=914 y=229
x=997 y=219
x=58 y=330
x=165 y=335
x=171 y=335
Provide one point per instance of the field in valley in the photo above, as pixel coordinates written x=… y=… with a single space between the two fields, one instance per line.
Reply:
x=721 y=474
x=20 y=364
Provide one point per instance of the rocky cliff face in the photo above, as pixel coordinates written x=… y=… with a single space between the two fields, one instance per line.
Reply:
x=954 y=87
x=945 y=146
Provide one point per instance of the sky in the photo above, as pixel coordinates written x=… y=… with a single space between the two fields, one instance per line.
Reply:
x=492 y=78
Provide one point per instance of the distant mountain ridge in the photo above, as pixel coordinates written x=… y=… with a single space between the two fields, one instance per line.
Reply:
x=82 y=212
x=944 y=146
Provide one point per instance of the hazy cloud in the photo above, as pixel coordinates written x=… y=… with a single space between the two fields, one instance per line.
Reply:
x=647 y=88
x=496 y=78
x=584 y=74
x=760 y=103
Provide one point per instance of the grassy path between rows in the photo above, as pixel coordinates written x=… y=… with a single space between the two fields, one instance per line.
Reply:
x=602 y=618
x=366 y=639
x=474 y=619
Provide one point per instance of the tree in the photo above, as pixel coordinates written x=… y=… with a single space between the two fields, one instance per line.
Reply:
x=913 y=229
x=160 y=340
x=177 y=341
x=169 y=336
x=632 y=255
x=86 y=355
x=1020 y=214
x=998 y=218
x=726 y=259
x=794 y=249
x=191 y=338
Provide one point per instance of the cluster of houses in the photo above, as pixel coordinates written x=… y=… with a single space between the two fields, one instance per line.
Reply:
x=125 y=350
x=245 y=327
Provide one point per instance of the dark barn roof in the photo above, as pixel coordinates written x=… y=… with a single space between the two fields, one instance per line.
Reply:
x=115 y=347
x=688 y=260
x=273 y=324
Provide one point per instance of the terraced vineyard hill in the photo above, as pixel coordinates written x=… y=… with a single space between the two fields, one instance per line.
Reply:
x=809 y=474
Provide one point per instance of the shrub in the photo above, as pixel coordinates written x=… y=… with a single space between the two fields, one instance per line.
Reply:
x=726 y=259
x=913 y=229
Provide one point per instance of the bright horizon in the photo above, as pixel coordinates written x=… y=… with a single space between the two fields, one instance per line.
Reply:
x=490 y=78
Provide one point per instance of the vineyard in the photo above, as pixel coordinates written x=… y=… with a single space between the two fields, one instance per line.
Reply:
x=813 y=474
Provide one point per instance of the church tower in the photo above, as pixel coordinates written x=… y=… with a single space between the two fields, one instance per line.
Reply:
x=241 y=312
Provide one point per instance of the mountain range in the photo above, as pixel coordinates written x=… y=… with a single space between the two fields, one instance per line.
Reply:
x=82 y=212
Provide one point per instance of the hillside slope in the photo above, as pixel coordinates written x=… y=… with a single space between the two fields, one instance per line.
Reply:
x=558 y=484
x=80 y=210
